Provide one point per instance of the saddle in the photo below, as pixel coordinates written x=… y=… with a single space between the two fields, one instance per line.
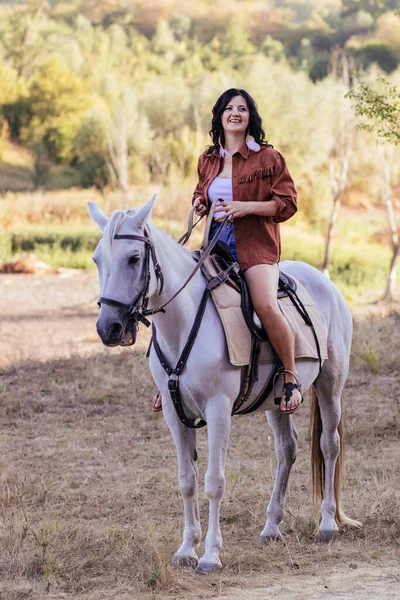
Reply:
x=243 y=335
x=241 y=325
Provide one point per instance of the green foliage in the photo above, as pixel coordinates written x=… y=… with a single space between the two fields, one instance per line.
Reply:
x=372 y=7
x=57 y=102
x=381 y=110
x=90 y=149
x=380 y=53
x=273 y=48
x=319 y=67
x=88 y=79
x=236 y=41
x=9 y=84
x=30 y=240
x=41 y=166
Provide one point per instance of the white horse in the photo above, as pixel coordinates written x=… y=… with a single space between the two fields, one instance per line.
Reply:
x=209 y=384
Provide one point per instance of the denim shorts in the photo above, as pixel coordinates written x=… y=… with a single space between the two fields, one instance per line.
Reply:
x=227 y=235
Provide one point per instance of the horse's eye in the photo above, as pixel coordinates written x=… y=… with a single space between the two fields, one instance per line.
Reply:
x=133 y=260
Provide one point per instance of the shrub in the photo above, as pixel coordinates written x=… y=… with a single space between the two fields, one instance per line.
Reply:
x=379 y=53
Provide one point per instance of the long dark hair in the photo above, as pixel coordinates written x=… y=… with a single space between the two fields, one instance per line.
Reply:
x=255 y=122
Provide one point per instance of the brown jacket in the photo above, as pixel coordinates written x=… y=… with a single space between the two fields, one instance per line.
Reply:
x=256 y=176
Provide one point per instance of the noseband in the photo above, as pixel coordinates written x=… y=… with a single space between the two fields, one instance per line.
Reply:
x=132 y=311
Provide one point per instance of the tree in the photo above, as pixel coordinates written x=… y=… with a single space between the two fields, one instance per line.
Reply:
x=90 y=149
x=339 y=154
x=373 y=7
x=57 y=99
x=380 y=53
x=20 y=43
x=385 y=154
x=381 y=109
x=129 y=138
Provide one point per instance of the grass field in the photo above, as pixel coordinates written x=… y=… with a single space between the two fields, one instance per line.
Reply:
x=89 y=499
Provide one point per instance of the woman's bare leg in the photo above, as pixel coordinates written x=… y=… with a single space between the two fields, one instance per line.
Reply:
x=262 y=281
x=157 y=402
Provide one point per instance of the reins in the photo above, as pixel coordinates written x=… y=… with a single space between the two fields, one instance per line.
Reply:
x=132 y=311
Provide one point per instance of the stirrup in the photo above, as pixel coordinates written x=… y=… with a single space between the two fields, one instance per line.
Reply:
x=288 y=387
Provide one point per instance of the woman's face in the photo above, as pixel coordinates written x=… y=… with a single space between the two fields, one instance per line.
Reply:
x=236 y=117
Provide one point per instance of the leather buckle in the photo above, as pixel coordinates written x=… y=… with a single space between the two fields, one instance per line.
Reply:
x=221 y=277
x=173 y=385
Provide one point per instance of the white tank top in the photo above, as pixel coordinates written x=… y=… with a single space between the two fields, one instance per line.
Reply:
x=220 y=189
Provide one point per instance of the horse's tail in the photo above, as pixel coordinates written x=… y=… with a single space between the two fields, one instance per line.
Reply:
x=318 y=464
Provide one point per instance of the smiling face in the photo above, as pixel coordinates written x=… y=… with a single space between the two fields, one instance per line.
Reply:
x=236 y=116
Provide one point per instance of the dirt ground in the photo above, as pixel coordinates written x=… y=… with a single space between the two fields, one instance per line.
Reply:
x=89 y=501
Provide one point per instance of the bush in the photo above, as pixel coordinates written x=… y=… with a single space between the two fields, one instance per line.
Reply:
x=377 y=52
x=31 y=241
x=319 y=68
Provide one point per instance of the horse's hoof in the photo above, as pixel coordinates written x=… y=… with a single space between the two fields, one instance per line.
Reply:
x=189 y=562
x=266 y=538
x=326 y=537
x=208 y=568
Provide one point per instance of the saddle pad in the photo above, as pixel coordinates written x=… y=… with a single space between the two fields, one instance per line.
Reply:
x=238 y=336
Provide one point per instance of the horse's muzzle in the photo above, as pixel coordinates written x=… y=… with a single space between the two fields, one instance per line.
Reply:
x=115 y=333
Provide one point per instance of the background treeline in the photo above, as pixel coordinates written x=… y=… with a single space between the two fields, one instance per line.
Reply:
x=122 y=90
x=117 y=94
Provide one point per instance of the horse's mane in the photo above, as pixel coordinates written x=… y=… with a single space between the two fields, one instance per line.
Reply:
x=114 y=224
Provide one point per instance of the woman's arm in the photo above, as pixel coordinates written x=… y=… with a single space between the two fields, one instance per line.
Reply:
x=283 y=191
x=279 y=204
x=236 y=210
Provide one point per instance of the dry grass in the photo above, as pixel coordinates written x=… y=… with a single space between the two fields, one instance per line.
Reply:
x=89 y=502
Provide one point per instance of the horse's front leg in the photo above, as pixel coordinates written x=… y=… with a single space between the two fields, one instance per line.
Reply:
x=185 y=442
x=285 y=436
x=218 y=415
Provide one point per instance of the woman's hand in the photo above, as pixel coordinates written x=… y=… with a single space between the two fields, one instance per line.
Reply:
x=232 y=210
x=200 y=209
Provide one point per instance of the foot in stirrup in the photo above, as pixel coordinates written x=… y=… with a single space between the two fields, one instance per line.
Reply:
x=291 y=393
x=157 y=402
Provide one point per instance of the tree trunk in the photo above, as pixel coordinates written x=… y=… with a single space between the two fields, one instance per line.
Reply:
x=338 y=181
x=329 y=237
x=340 y=153
x=389 y=295
x=117 y=139
x=385 y=156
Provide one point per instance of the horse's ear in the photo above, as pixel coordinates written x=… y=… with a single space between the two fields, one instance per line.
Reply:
x=97 y=215
x=143 y=214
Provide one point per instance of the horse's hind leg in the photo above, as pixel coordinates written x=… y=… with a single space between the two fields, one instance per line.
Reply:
x=326 y=406
x=285 y=436
x=185 y=442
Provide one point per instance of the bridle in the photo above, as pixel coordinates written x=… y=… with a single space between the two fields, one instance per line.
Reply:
x=136 y=311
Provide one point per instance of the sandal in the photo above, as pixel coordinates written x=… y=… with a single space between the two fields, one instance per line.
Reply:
x=288 y=388
x=156 y=407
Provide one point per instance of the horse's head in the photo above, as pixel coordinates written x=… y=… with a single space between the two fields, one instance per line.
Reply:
x=124 y=257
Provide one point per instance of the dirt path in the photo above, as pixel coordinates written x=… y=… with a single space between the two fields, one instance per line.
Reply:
x=49 y=316
x=89 y=505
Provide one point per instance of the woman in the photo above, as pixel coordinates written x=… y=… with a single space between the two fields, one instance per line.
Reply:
x=258 y=193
